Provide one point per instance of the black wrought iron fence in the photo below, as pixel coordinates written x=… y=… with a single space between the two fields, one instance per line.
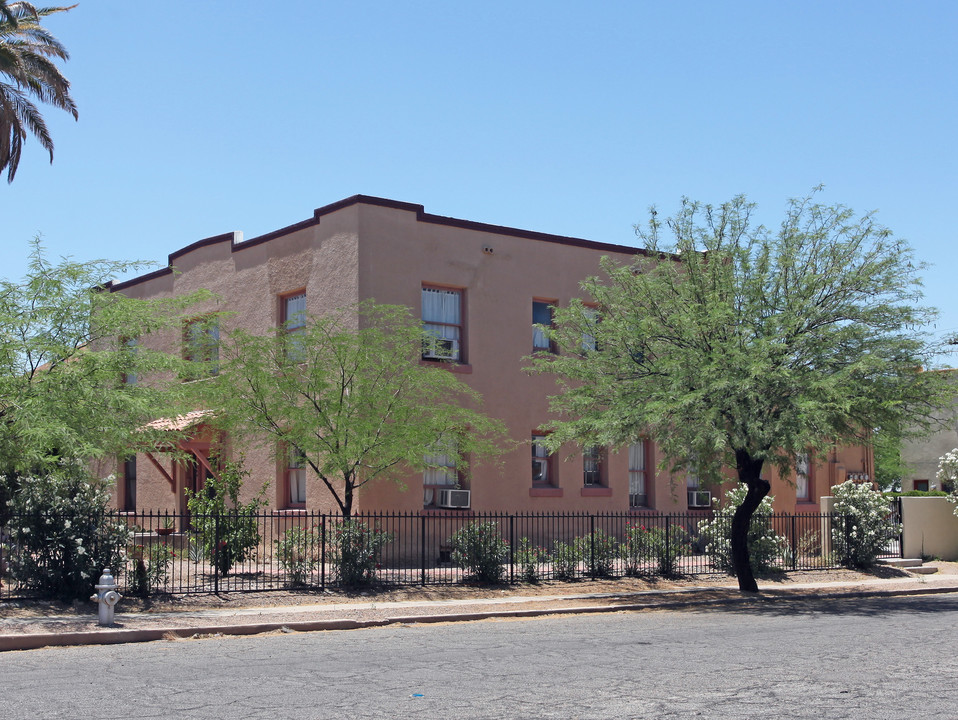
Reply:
x=164 y=553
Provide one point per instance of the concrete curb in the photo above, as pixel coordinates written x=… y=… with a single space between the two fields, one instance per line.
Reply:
x=34 y=641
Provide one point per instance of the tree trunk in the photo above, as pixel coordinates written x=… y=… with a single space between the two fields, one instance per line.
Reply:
x=749 y=473
x=347 y=504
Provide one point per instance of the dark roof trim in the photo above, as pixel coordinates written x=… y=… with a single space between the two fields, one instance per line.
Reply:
x=421 y=216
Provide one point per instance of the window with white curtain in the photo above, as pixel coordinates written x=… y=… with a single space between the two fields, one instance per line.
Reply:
x=541 y=462
x=637 y=475
x=442 y=321
x=440 y=471
x=296 y=477
x=541 y=315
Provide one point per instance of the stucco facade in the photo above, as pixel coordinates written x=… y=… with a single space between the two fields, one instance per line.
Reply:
x=920 y=455
x=365 y=247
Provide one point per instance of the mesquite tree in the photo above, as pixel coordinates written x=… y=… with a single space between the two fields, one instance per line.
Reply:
x=734 y=345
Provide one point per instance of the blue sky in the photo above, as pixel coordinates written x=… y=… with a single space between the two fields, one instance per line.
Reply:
x=562 y=117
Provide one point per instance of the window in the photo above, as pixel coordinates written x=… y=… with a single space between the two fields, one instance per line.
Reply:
x=440 y=471
x=129 y=484
x=541 y=315
x=442 y=321
x=593 y=466
x=697 y=497
x=201 y=345
x=590 y=318
x=294 y=322
x=921 y=485
x=637 y=476
x=802 y=478
x=543 y=473
x=130 y=349
x=296 y=477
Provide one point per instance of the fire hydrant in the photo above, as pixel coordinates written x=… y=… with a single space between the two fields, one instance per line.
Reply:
x=106 y=596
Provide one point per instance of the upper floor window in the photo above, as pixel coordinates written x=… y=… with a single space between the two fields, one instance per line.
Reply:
x=542 y=462
x=442 y=321
x=130 y=348
x=294 y=322
x=541 y=318
x=590 y=316
x=201 y=345
x=593 y=466
x=638 y=496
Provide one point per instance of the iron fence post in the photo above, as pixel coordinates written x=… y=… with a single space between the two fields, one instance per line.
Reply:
x=512 y=549
x=422 y=549
x=216 y=553
x=794 y=544
x=592 y=547
x=322 y=544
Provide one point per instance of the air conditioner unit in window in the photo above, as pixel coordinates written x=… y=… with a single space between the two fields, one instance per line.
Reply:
x=440 y=349
x=453 y=498
x=700 y=499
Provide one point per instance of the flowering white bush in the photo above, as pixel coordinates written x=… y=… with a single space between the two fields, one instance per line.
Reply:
x=861 y=527
x=765 y=547
x=948 y=473
x=61 y=537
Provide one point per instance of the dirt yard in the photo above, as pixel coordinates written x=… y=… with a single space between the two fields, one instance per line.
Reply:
x=33 y=608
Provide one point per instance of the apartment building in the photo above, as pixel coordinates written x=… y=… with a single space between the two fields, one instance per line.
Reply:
x=479 y=289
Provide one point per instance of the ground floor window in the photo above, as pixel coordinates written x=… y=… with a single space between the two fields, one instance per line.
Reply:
x=296 y=478
x=440 y=472
x=638 y=496
x=542 y=466
x=593 y=466
x=129 y=484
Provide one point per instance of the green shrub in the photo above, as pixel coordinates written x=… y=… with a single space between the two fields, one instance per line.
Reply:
x=355 y=552
x=149 y=567
x=861 y=527
x=599 y=550
x=227 y=529
x=917 y=493
x=645 y=548
x=480 y=550
x=528 y=558
x=61 y=534
x=766 y=549
x=565 y=560
x=298 y=554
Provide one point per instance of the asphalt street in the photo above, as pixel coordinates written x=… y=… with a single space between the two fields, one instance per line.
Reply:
x=841 y=658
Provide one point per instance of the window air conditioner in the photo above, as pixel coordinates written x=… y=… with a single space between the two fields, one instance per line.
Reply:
x=453 y=499
x=441 y=349
x=700 y=499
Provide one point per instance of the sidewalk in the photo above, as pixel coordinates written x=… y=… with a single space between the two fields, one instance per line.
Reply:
x=23 y=633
